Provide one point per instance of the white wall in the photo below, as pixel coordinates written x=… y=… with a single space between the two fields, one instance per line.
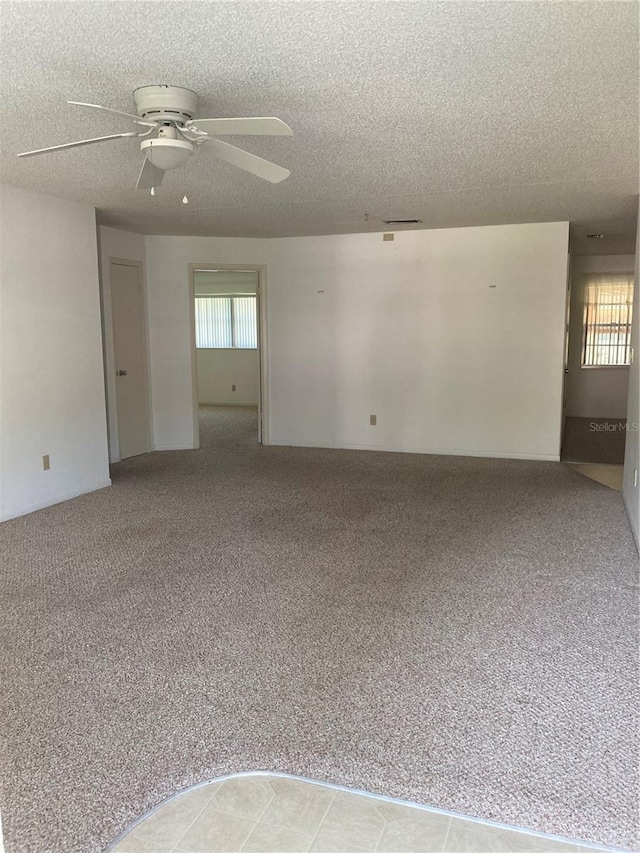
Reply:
x=453 y=338
x=51 y=377
x=596 y=392
x=126 y=246
x=631 y=485
x=225 y=282
x=220 y=369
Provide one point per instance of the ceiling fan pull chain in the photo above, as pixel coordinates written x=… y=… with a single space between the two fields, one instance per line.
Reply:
x=185 y=200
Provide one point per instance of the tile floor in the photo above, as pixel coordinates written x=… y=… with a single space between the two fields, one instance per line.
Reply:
x=273 y=814
x=608 y=475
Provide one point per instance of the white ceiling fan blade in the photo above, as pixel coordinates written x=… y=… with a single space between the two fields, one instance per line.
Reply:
x=248 y=162
x=259 y=126
x=76 y=144
x=150 y=176
x=116 y=112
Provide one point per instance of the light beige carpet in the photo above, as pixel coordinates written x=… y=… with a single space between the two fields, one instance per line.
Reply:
x=457 y=632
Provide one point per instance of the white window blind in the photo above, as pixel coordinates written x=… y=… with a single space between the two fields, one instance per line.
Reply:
x=608 y=310
x=226 y=322
x=244 y=322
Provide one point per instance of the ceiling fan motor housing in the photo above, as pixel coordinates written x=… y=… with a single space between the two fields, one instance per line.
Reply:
x=166 y=103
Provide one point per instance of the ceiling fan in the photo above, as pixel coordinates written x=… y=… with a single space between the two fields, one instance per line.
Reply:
x=173 y=134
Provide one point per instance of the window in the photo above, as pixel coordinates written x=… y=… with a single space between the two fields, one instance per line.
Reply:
x=226 y=322
x=608 y=307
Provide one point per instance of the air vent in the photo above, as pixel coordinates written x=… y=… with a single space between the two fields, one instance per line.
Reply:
x=402 y=221
x=595 y=236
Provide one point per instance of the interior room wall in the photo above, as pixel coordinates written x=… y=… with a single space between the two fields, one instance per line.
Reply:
x=228 y=376
x=221 y=282
x=52 y=398
x=596 y=392
x=453 y=338
x=631 y=484
x=127 y=246
x=219 y=370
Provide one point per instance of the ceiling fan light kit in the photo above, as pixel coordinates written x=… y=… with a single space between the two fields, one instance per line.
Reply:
x=172 y=135
x=167 y=154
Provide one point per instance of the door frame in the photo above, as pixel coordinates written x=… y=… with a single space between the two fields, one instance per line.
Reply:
x=145 y=354
x=566 y=368
x=263 y=348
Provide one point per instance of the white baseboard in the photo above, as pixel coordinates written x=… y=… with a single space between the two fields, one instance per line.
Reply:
x=425 y=451
x=230 y=403
x=175 y=447
x=25 y=510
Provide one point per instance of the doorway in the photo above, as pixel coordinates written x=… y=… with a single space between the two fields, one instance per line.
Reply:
x=228 y=353
x=598 y=366
x=131 y=388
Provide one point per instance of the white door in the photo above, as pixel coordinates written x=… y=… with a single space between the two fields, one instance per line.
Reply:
x=130 y=363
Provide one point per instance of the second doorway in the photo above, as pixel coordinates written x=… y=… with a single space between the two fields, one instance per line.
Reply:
x=227 y=346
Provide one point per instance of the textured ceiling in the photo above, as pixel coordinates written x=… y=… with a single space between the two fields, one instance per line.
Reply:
x=459 y=113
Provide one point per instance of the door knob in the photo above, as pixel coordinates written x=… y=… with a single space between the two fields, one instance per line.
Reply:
x=122 y=373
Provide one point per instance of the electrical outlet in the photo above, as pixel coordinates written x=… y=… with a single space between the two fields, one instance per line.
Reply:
x=46 y=465
x=388 y=238
x=233 y=387
x=373 y=420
